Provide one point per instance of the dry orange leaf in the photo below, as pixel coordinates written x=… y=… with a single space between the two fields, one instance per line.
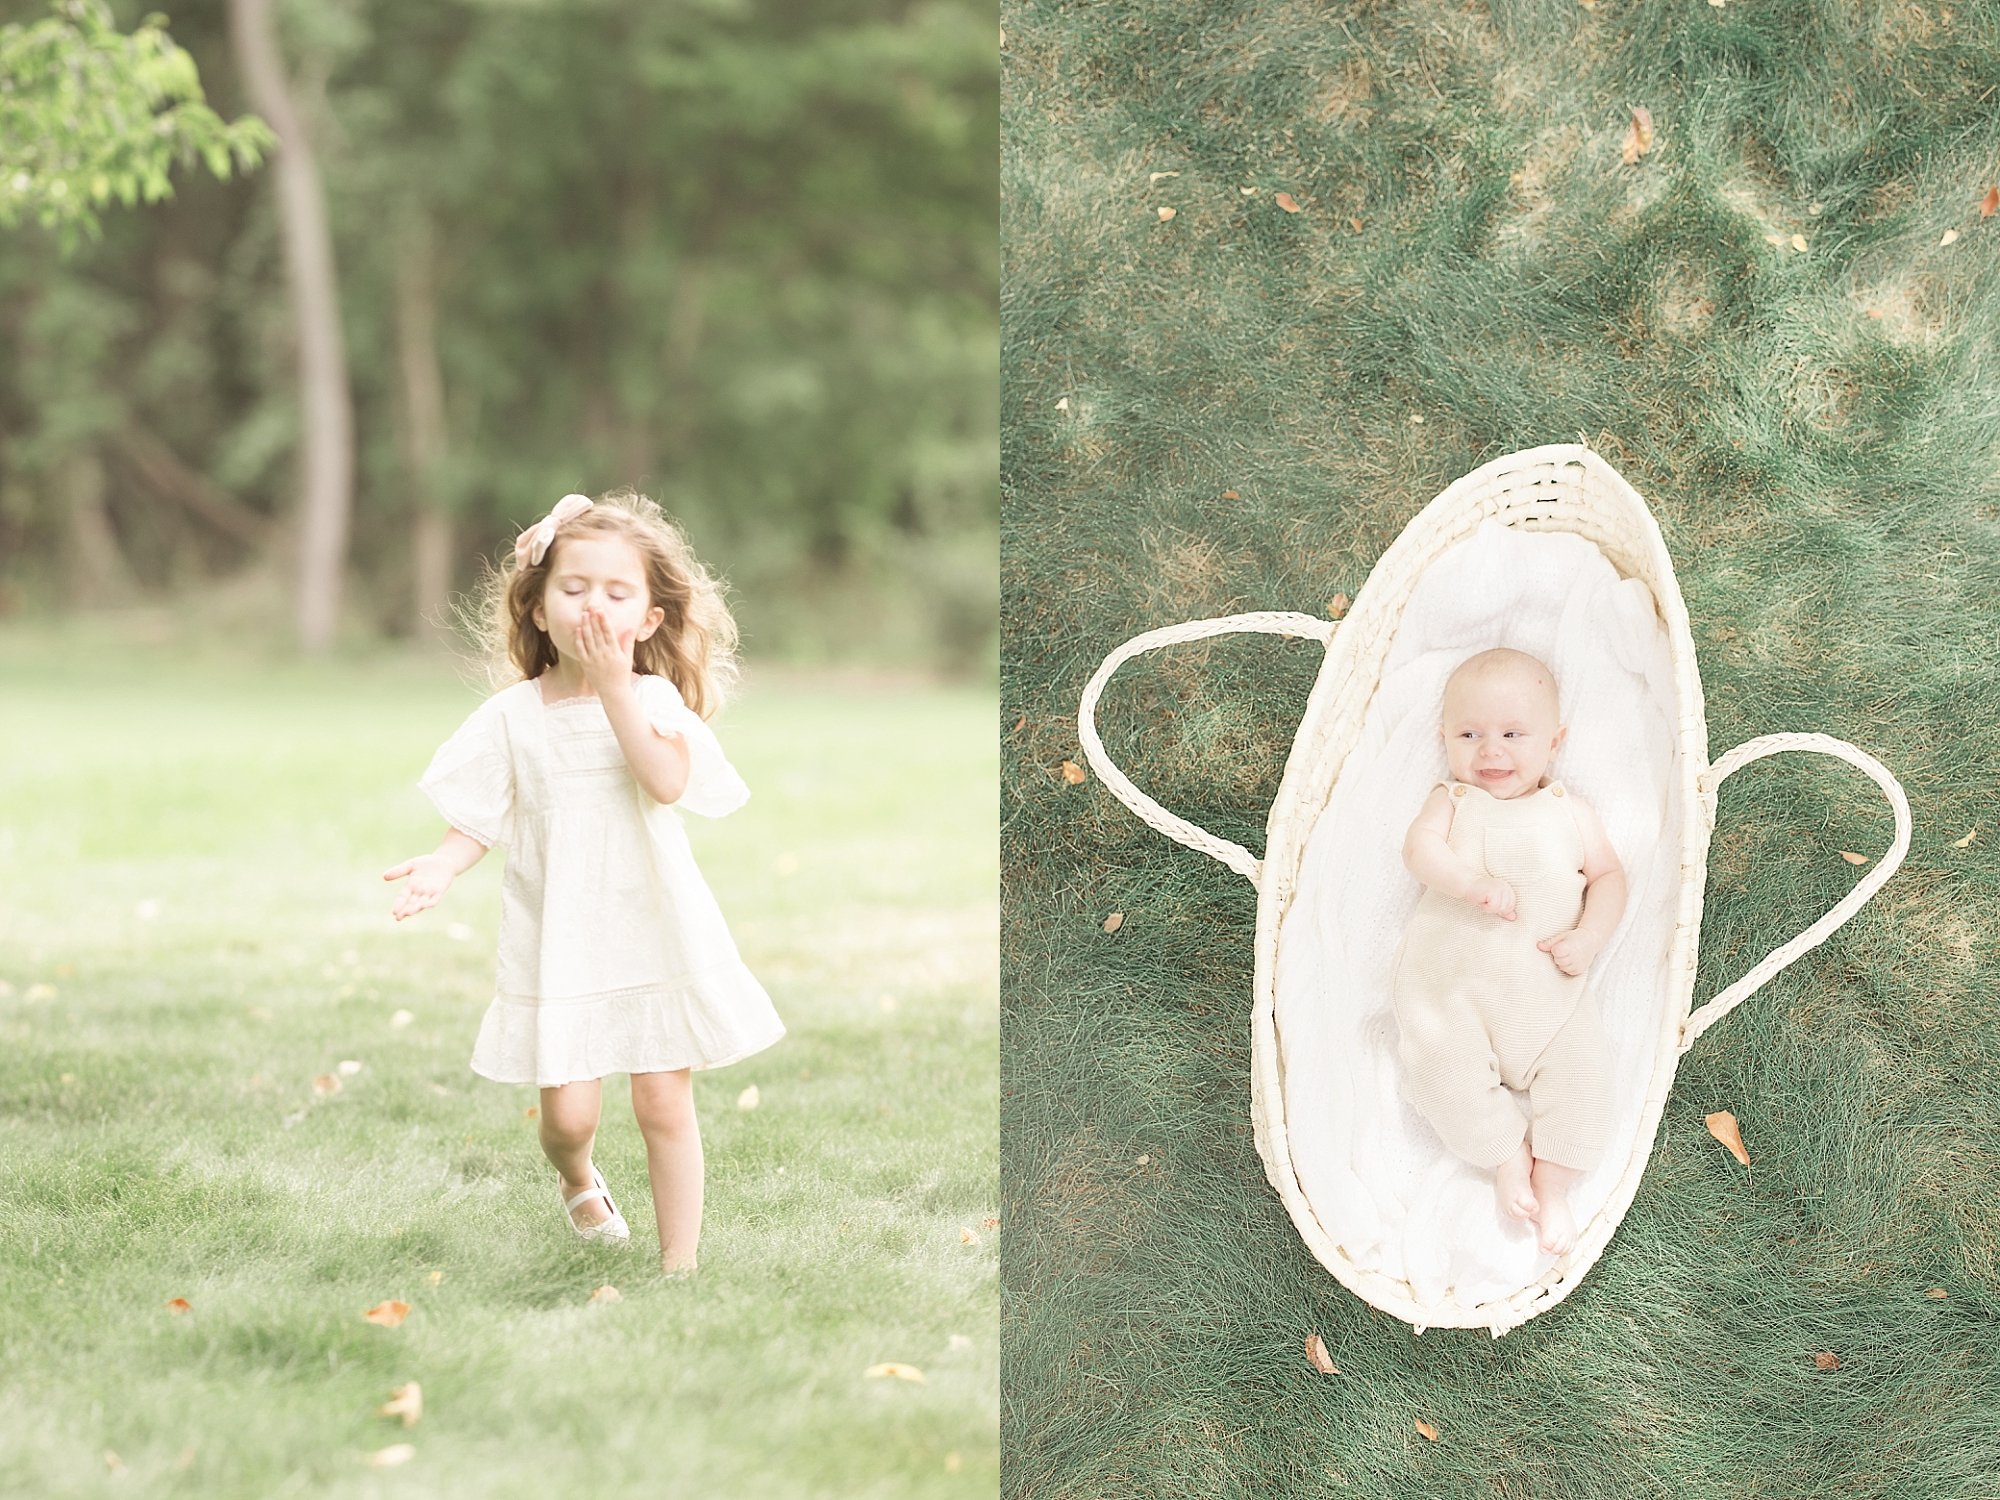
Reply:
x=1337 y=606
x=1854 y=859
x=1317 y=1356
x=1874 y=312
x=1937 y=1294
x=388 y=1314
x=531 y=1111
x=1722 y=1125
x=1356 y=223
x=389 y=1457
x=1165 y=214
x=1427 y=1430
x=607 y=1294
x=1990 y=203
x=1020 y=723
x=405 y=1401
x=325 y=1085
x=968 y=1236
x=989 y=1225
x=180 y=1305
x=1231 y=495
x=1827 y=1361
x=1115 y=921
x=1966 y=841
x=894 y=1372
x=1287 y=202
x=1639 y=139
x=1073 y=773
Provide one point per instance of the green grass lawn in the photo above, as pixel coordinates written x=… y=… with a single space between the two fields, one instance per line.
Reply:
x=1238 y=408
x=193 y=928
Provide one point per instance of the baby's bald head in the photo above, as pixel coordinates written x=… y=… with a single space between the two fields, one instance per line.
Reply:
x=1513 y=673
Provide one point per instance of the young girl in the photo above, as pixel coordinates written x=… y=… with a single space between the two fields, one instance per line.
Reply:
x=613 y=955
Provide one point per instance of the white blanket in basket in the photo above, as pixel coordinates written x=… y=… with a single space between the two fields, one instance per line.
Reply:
x=1376 y=1176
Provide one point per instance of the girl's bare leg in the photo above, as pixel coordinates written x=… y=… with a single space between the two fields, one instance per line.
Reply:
x=1558 y=1224
x=664 y=1104
x=568 y=1127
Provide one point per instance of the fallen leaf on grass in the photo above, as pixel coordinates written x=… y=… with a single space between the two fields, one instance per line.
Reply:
x=1639 y=138
x=1826 y=1361
x=405 y=1401
x=1799 y=243
x=1852 y=858
x=348 y=1068
x=434 y=1278
x=1966 y=841
x=1020 y=723
x=1355 y=224
x=1156 y=176
x=1317 y=1356
x=388 y=1314
x=1287 y=202
x=326 y=1085
x=1949 y=236
x=968 y=1236
x=1722 y=1125
x=1337 y=606
x=1073 y=773
x=1144 y=1161
x=1165 y=214
x=1874 y=312
x=1990 y=203
x=1231 y=495
x=1427 y=1430
x=607 y=1294
x=989 y=1225
x=897 y=1372
x=389 y=1457
x=1775 y=239
x=1248 y=192
x=180 y=1305
x=748 y=1098
x=531 y=1111
x=1937 y=1293
x=1063 y=405
x=1115 y=921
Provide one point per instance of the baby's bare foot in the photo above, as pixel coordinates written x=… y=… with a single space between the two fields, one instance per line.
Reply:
x=1557 y=1223
x=1512 y=1188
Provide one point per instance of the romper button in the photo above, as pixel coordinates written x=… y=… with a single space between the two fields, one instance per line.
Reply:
x=1458 y=791
x=1555 y=791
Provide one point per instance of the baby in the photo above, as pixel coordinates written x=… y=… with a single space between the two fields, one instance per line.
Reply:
x=1522 y=889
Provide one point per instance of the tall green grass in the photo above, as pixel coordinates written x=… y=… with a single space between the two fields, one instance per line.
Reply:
x=189 y=860
x=1239 y=408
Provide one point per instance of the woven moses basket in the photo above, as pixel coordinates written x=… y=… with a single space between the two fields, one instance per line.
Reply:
x=1561 y=488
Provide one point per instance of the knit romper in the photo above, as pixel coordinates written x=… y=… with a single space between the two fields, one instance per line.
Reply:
x=1483 y=1010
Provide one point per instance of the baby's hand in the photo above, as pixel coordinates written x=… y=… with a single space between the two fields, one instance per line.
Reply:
x=1572 y=950
x=1491 y=895
x=430 y=877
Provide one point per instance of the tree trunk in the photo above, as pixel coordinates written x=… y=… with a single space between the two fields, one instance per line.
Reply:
x=329 y=418
x=423 y=425
x=98 y=575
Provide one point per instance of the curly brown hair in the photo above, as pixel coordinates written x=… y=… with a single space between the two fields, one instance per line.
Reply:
x=695 y=646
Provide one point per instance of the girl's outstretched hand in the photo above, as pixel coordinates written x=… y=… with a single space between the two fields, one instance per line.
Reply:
x=430 y=875
x=606 y=658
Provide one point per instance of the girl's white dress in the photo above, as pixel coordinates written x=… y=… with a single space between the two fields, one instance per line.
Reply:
x=614 y=957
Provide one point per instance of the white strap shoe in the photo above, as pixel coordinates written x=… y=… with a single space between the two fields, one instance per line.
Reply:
x=613 y=1228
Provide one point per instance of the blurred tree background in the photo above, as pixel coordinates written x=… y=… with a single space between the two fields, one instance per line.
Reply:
x=738 y=254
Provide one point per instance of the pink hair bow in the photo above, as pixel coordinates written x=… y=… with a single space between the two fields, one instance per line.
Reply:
x=532 y=545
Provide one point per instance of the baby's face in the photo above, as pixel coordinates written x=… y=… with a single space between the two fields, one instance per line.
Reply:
x=1499 y=734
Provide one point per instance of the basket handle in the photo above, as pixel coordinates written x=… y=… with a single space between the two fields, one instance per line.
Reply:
x=1267 y=622
x=1848 y=905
